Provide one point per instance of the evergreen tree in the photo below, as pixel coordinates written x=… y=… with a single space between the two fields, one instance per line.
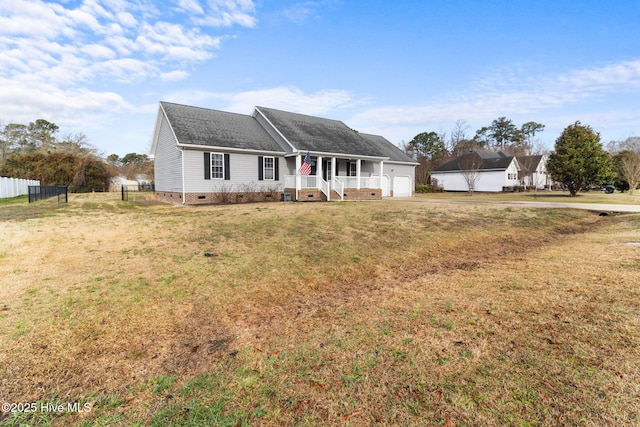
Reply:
x=578 y=159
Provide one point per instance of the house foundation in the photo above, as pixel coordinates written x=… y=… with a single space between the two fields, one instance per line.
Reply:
x=313 y=195
x=218 y=198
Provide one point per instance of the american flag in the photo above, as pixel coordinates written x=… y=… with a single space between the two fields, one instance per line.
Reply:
x=305 y=169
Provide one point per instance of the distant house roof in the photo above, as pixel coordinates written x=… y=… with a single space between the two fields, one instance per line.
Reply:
x=205 y=127
x=488 y=161
x=529 y=162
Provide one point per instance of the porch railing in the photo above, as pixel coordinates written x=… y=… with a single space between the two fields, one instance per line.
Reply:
x=325 y=188
x=365 y=181
x=311 y=181
x=339 y=187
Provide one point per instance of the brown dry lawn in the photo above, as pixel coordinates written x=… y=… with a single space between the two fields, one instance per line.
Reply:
x=372 y=313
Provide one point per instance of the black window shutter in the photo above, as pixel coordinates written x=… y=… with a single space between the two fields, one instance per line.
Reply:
x=260 y=168
x=227 y=172
x=276 y=161
x=207 y=165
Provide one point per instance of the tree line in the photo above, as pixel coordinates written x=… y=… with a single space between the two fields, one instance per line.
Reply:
x=432 y=149
x=36 y=151
x=578 y=160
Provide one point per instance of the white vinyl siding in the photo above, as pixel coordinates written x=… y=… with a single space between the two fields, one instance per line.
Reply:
x=243 y=174
x=486 y=181
x=167 y=161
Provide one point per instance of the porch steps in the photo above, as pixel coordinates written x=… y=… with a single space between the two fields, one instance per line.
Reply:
x=335 y=196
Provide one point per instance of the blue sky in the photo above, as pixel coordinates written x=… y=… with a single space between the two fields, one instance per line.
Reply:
x=394 y=68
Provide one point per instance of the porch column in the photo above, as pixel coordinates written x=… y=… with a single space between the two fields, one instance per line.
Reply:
x=358 y=167
x=381 y=175
x=333 y=171
x=319 y=172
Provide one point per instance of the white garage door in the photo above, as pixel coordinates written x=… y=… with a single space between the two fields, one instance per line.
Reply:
x=401 y=186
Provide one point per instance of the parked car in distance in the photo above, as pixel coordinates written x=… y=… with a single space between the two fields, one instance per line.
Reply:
x=608 y=189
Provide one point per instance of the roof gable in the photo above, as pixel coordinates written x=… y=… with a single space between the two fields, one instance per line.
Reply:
x=387 y=149
x=205 y=127
x=309 y=133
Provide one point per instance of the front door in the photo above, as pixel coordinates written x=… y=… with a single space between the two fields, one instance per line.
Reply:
x=326 y=169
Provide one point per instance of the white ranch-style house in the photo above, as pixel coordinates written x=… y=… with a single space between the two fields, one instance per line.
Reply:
x=487 y=171
x=208 y=156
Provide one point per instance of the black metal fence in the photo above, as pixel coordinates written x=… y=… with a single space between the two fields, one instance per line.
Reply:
x=42 y=192
x=142 y=188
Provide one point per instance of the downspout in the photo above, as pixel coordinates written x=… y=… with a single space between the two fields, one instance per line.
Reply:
x=184 y=190
x=184 y=185
x=381 y=176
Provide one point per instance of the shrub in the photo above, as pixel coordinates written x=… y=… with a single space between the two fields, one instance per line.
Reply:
x=426 y=188
x=224 y=194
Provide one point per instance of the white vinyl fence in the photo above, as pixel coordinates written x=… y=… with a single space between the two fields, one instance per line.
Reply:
x=13 y=187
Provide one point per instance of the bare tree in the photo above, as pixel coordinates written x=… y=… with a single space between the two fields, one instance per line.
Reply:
x=459 y=142
x=630 y=168
x=627 y=159
x=470 y=166
x=632 y=143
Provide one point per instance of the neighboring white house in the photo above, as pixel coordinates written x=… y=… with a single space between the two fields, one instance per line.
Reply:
x=533 y=172
x=207 y=156
x=478 y=170
x=117 y=182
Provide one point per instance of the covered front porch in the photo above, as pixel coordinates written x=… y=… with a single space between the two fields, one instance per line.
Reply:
x=334 y=178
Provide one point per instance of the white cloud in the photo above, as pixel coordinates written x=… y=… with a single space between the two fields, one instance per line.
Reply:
x=225 y=13
x=173 y=42
x=192 y=6
x=302 y=11
x=594 y=96
x=26 y=103
x=607 y=78
x=126 y=70
x=513 y=95
x=107 y=39
x=32 y=19
x=174 y=76
x=98 y=51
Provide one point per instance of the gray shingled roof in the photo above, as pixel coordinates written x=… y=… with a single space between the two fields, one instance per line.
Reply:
x=308 y=133
x=202 y=126
x=530 y=161
x=387 y=148
x=490 y=161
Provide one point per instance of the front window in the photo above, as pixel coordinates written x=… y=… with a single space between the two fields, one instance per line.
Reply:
x=268 y=168
x=217 y=166
x=352 y=169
